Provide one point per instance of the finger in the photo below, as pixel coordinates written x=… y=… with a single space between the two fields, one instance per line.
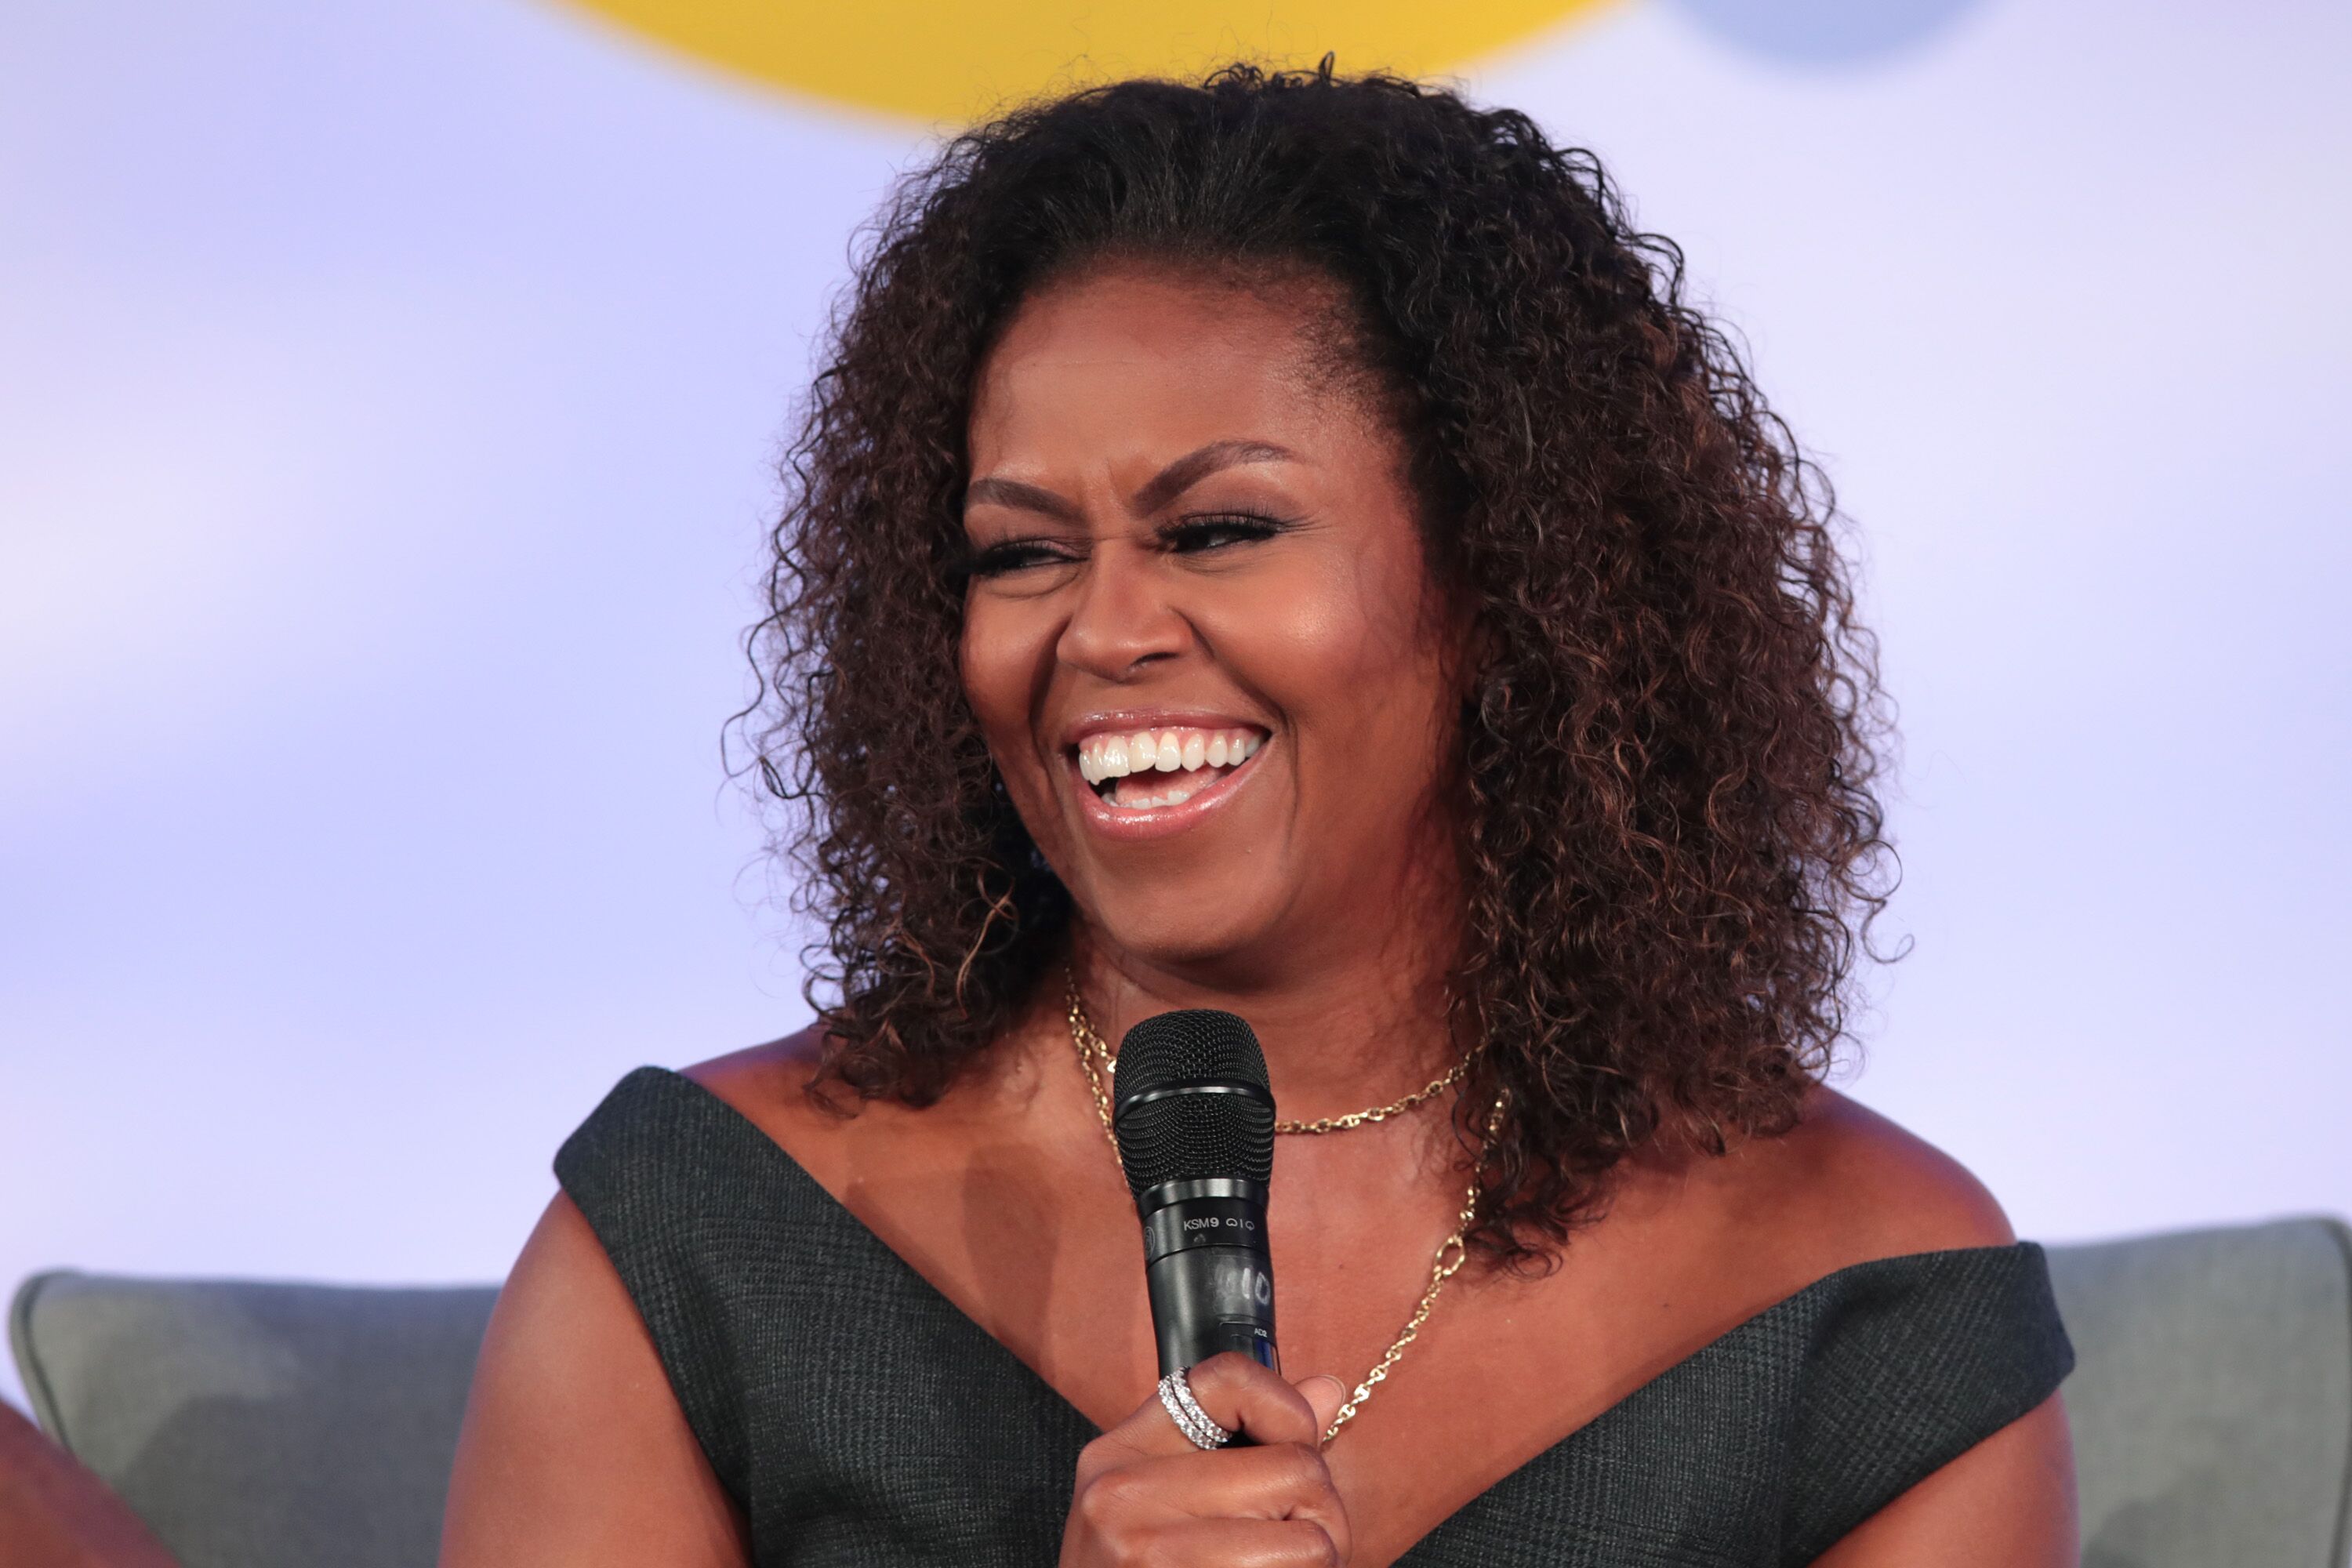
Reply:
x=1121 y=1481
x=1147 y=1497
x=1233 y=1391
x=1248 y=1543
x=1324 y=1394
x=1242 y=1396
x=1288 y=1481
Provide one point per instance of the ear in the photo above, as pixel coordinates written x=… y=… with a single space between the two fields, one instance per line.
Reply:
x=1474 y=643
x=1483 y=649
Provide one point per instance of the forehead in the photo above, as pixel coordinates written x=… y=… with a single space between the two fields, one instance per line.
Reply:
x=1152 y=356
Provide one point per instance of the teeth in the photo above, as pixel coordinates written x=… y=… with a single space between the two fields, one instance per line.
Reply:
x=1102 y=758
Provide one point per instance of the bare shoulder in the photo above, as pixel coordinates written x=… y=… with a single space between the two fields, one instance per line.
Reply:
x=1847 y=1185
x=869 y=1153
x=770 y=1083
x=574 y=1449
x=1871 y=1189
x=831 y=1136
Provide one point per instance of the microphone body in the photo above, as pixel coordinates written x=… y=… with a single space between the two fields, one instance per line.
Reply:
x=1194 y=1120
x=1208 y=1271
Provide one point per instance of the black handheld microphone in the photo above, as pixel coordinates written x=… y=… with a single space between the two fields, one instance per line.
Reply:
x=1194 y=1116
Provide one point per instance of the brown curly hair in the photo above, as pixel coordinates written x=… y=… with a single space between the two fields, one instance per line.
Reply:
x=1671 y=850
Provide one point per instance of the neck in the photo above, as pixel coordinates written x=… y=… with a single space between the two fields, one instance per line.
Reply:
x=1342 y=1030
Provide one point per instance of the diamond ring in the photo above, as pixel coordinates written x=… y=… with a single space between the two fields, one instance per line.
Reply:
x=1176 y=1398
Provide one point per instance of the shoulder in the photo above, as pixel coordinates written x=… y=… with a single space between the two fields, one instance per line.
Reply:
x=1882 y=1189
x=770 y=1084
x=658 y=1126
x=1965 y=1459
x=874 y=1154
x=831 y=1133
x=1941 y=1373
x=1844 y=1186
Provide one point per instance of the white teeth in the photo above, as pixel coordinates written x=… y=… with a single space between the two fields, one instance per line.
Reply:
x=1102 y=758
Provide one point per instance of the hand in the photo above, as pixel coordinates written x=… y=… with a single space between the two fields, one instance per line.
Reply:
x=1146 y=1495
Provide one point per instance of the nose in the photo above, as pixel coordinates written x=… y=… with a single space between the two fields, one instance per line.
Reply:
x=1123 y=620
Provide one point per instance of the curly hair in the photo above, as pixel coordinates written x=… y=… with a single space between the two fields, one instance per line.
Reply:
x=1670 y=849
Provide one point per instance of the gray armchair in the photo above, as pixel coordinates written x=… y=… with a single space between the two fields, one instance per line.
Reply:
x=293 y=1425
x=2211 y=1398
x=257 y=1426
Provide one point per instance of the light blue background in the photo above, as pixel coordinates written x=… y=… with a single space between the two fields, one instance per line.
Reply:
x=387 y=401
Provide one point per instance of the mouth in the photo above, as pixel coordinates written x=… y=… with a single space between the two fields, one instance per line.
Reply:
x=1132 y=775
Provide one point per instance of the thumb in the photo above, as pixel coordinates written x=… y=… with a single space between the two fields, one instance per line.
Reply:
x=1324 y=1394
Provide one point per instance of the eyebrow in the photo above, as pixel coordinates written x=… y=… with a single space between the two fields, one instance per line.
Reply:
x=1162 y=488
x=1193 y=466
x=1021 y=497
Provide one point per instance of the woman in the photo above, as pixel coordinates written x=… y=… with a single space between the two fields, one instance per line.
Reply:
x=1282 y=546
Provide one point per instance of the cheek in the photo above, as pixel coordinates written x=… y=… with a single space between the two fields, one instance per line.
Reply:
x=1340 y=646
x=997 y=655
x=989 y=658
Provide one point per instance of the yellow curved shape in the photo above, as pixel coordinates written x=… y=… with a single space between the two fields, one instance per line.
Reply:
x=944 y=61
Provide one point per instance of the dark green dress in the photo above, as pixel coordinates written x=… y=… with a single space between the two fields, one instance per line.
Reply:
x=861 y=1419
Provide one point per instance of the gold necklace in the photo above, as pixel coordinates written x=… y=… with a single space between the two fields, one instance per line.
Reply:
x=1096 y=1052
x=1094 y=1056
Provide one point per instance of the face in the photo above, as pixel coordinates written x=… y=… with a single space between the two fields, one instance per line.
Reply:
x=1202 y=637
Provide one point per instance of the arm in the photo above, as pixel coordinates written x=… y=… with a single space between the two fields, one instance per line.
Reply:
x=2009 y=1502
x=574 y=1450
x=56 y=1514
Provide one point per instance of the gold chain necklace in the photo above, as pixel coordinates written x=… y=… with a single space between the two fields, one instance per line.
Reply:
x=1096 y=1052
x=1094 y=1056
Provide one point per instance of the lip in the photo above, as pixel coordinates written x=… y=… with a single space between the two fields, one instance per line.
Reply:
x=1133 y=826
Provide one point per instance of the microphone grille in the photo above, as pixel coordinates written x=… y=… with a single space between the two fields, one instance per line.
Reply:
x=1181 y=1137
x=1188 y=1046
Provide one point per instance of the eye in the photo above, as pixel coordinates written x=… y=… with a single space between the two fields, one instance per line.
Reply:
x=1015 y=555
x=1192 y=535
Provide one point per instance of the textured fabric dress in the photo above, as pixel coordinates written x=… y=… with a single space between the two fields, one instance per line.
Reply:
x=861 y=1419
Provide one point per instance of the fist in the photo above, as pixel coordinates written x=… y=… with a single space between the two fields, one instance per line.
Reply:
x=1146 y=1495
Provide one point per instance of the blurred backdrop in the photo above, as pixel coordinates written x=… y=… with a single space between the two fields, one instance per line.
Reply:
x=388 y=400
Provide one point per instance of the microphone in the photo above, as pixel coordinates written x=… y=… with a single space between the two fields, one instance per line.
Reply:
x=1194 y=1116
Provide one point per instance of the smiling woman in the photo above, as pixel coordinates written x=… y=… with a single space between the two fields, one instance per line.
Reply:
x=1283 y=546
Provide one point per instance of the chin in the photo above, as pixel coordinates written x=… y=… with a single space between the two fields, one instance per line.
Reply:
x=1201 y=934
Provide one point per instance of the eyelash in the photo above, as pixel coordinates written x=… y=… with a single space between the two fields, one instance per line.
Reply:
x=1018 y=554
